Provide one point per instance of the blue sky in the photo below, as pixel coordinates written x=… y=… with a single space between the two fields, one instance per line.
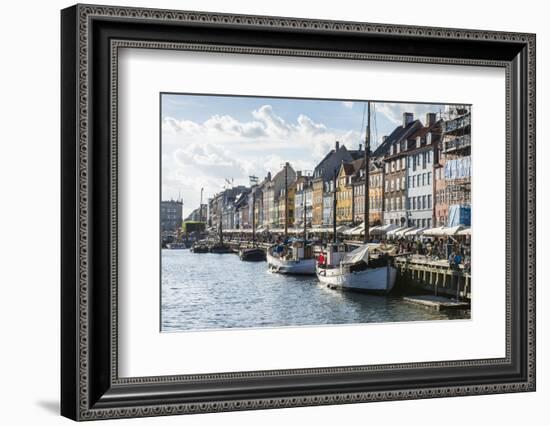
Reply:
x=207 y=139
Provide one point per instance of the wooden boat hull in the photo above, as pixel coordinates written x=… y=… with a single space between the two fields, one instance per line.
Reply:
x=371 y=280
x=199 y=249
x=291 y=267
x=252 y=255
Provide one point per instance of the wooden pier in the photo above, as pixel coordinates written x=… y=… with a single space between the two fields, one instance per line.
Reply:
x=434 y=276
x=438 y=303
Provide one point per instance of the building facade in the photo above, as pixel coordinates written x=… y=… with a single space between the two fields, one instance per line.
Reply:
x=171 y=215
x=421 y=160
x=322 y=185
x=455 y=196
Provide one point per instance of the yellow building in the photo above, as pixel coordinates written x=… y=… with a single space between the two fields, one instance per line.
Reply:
x=281 y=206
x=317 y=219
x=344 y=195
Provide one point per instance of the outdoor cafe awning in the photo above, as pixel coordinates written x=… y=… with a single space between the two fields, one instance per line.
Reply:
x=443 y=231
x=383 y=229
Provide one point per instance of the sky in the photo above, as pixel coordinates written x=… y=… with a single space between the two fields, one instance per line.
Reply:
x=207 y=139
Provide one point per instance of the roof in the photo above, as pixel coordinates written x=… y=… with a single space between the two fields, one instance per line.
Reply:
x=398 y=133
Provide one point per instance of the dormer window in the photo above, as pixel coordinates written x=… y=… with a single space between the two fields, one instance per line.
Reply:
x=418 y=141
x=391 y=150
x=397 y=148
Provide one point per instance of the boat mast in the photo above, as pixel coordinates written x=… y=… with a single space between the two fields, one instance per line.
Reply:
x=335 y=179
x=253 y=218
x=366 y=192
x=286 y=200
x=200 y=207
x=305 y=217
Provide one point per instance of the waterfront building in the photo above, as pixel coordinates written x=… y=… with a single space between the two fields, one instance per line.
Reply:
x=242 y=213
x=322 y=186
x=272 y=194
x=303 y=196
x=453 y=188
x=197 y=215
x=221 y=207
x=421 y=159
x=376 y=193
x=283 y=204
x=394 y=153
x=344 y=193
x=171 y=215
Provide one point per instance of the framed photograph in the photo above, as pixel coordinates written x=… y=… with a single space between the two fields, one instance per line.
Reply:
x=263 y=212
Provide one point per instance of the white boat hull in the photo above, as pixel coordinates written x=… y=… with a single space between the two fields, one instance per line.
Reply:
x=375 y=280
x=295 y=267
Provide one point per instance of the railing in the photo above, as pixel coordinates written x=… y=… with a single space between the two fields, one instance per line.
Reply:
x=457 y=123
x=458 y=143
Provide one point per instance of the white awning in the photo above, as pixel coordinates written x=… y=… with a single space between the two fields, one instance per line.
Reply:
x=383 y=229
x=442 y=231
x=465 y=231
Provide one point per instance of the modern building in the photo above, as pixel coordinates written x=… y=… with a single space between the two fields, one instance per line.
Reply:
x=171 y=215
x=454 y=196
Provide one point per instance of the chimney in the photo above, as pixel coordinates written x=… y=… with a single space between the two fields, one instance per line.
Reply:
x=337 y=147
x=430 y=119
x=299 y=173
x=408 y=117
x=360 y=147
x=384 y=138
x=269 y=176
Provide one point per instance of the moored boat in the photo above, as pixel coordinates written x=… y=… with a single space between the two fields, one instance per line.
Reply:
x=252 y=254
x=199 y=247
x=296 y=258
x=220 y=248
x=365 y=269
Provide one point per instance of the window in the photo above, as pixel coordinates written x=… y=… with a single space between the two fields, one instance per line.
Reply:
x=403 y=201
x=387 y=168
x=423 y=179
x=413 y=203
x=429 y=201
x=403 y=182
x=423 y=202
x=429 y=178
x=410 y=182
x=403 y=163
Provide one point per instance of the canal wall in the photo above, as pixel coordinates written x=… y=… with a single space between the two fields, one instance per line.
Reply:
x=434 y=277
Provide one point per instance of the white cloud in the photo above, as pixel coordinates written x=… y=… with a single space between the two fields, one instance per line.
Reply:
x=348 y=104
x=196 y=155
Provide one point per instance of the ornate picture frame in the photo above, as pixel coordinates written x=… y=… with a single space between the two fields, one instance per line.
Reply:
x=90 y=40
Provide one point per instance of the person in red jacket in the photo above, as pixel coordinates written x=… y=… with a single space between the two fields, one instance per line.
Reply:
x=321 y=259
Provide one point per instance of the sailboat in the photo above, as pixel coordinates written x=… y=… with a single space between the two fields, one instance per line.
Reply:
x=254 y=253
x=366 y=268
x=220 y=247
x=294 y=258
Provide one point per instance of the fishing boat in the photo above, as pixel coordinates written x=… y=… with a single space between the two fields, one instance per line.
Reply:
x=295 y=258
x=365 y=269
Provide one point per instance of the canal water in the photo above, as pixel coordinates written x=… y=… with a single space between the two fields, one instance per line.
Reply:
x=217 y=291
